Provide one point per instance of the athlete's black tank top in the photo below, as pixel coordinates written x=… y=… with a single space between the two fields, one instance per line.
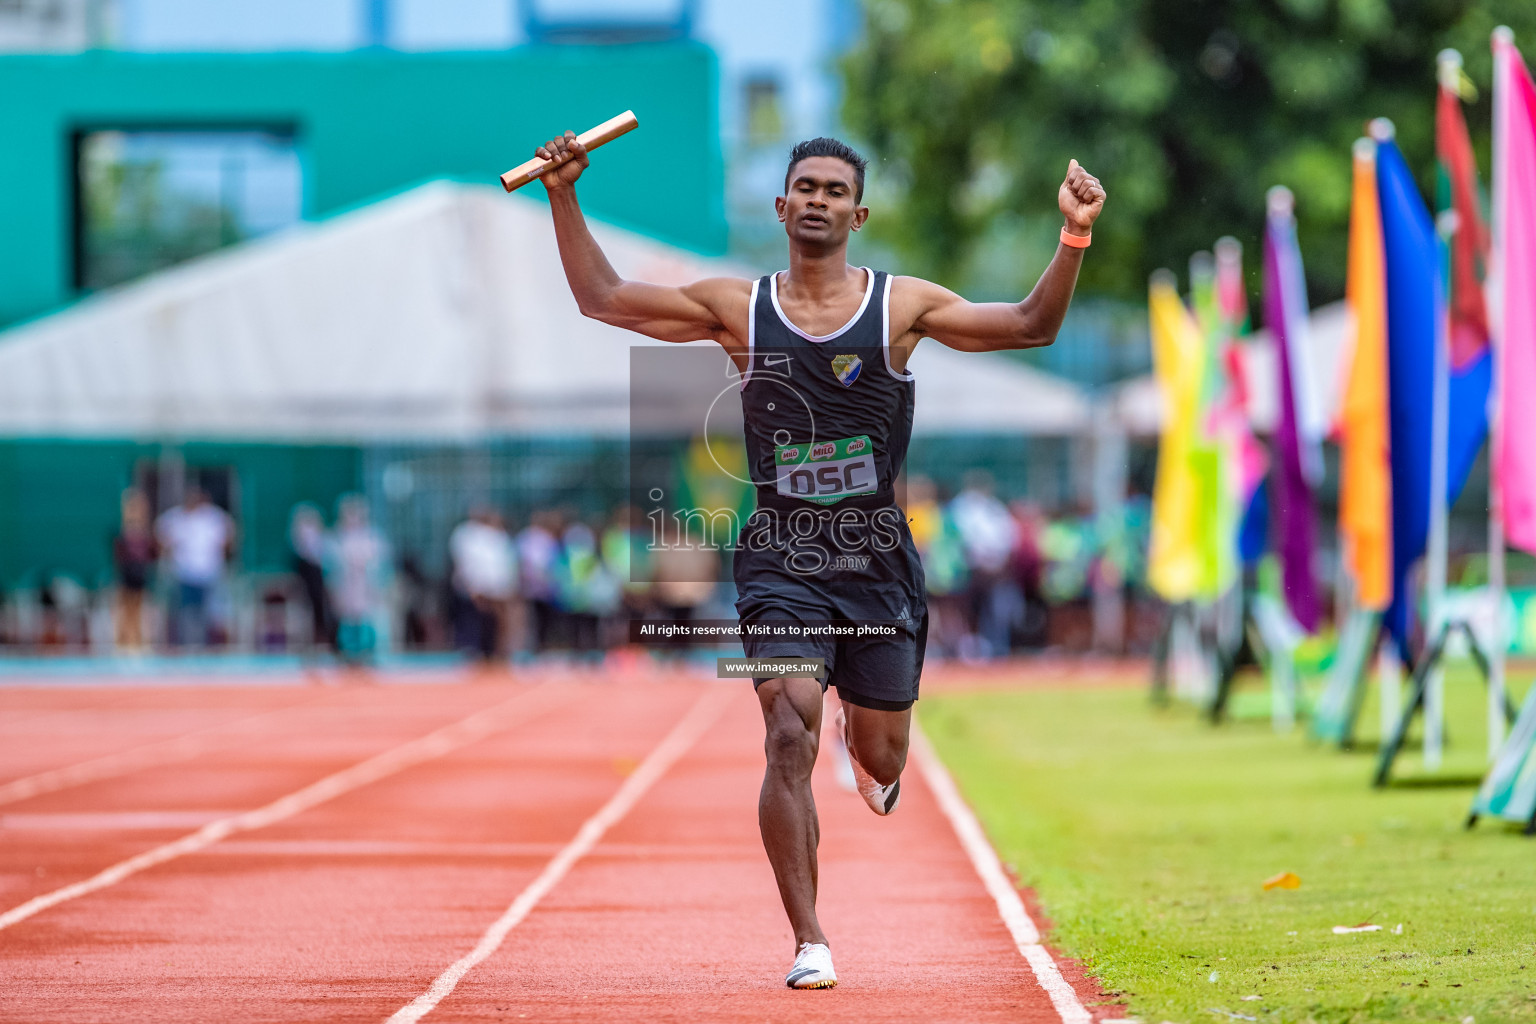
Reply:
x=827 y=419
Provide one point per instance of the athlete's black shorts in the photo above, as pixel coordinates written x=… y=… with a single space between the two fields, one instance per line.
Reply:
x=809 y=576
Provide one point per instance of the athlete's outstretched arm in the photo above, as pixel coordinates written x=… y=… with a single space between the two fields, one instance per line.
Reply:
x=989 y=326
x=661 y=312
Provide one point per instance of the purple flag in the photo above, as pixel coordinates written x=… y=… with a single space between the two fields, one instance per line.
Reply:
x=1298 y=433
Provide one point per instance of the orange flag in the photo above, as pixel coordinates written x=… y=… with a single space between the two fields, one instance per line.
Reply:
x=1365 y=486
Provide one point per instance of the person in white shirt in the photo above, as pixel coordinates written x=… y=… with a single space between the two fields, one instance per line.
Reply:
x=197 y=537
x=484 y=577
x=989 y=534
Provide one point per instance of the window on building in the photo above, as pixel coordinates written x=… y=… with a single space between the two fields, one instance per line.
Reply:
x=146 y=200
x=762 y=113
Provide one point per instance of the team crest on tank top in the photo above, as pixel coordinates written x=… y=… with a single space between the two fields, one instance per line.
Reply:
x=846 y=368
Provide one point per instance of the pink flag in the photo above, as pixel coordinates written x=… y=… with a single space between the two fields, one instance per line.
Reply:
x=1514 y=299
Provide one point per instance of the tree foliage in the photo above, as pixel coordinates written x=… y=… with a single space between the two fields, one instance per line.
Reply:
x=1189 y=110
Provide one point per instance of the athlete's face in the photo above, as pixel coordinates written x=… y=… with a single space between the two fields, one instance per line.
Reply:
x=819 y=210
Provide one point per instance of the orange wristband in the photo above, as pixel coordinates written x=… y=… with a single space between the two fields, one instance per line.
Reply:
x=1075 y=241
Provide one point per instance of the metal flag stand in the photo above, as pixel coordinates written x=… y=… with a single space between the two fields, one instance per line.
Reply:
x=1338 y=709
x=1185 y=642
x=1271 y=637
x=1429 y=660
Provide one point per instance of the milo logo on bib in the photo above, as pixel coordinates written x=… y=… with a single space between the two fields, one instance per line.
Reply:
x=829 y=471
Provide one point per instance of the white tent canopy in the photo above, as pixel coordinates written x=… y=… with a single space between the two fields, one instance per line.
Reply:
x=440 y=314
x=960 y=393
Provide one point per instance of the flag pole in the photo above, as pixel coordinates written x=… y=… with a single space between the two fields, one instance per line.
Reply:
x=1449 y=76
x=1503 y=38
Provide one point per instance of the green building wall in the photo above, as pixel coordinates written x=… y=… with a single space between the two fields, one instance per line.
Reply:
x=59 y=499
x=368 y=123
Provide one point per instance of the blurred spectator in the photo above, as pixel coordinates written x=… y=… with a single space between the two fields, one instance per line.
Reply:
x=685 y=572
x=198 y=537
x=416 y=601
x=987 y=534
x=306 y=540
x=134 y=553
x=589 y=590
x=1069 y=544
x=999 y=577
x=484 y=580
x=627 y=557
x=538 y=556
x=65 y=613
x=1121 y=536
x=1028 y=566
x=358 y=571
x=943 y=557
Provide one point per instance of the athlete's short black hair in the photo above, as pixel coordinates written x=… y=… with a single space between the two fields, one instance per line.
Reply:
x=838 y=150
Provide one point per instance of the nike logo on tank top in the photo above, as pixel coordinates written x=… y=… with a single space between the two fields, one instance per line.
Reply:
x=827 y=419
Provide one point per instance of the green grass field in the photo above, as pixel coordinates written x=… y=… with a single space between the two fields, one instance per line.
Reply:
x=1147 y=834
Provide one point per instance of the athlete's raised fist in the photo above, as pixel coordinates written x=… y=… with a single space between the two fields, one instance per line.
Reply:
x=570 y=158
x=1081 y=197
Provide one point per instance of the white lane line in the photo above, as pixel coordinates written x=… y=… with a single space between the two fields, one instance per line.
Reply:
x=358 y=848
x=677 y=743
x=161 y=752
x=433 y=745
x=1011 y=908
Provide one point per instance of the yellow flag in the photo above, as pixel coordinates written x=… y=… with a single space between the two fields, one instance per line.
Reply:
x=1181 y=506
x=1365 y=476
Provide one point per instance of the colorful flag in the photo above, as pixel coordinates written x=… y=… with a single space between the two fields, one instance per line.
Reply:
x=1365 y=473
x=1232 y=299
x=1414 y=308
x=1176 y=561
x=1458 y=192
x=1231 y=289
x=1460 y=202
x=1299 y=432
x=1222 y=422
x=1514 y=312
x=1252 y=460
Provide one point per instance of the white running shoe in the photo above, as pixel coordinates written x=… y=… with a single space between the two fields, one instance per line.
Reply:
x=842 y=764
x=881 y=799
x=813 y=967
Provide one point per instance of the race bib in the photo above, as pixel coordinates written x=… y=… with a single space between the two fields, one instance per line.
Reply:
x=826 y=472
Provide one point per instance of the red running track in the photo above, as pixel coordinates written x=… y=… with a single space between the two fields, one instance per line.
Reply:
x=349 y=907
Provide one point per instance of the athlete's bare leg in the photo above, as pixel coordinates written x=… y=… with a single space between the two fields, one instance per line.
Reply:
x=786 y=812
x=878 y=740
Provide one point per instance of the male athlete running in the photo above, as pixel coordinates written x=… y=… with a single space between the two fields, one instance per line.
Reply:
x=822 y=351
